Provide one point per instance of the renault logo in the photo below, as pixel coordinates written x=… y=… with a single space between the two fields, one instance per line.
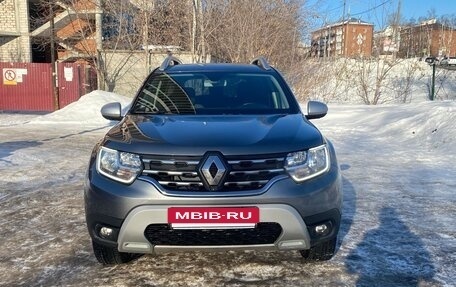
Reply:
x=213 y=171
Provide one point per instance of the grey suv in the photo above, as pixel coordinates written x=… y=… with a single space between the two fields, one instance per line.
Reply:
x=213 y=157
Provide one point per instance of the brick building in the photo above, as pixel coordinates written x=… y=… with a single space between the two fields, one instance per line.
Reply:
x=14 y=31
x=349 y=38
x=25 y=36
x=387 y=42
x=429 y=38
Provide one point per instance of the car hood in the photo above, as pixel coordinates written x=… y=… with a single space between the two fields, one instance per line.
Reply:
x=228 y=134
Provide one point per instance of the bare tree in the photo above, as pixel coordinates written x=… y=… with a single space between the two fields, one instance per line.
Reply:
x=242 y=29
x=233 y=30
x=321 y=80
x=370 y=75
x=402 y=84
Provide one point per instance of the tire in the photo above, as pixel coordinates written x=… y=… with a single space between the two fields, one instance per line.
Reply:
x=111 y=256
x=320 y=252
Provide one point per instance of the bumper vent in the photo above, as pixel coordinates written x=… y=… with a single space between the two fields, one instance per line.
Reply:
x=163 y=234
x=244 y=172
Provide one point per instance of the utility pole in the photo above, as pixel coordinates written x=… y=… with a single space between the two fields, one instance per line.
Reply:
x=55 y=90
x=343 y=15
x=99 y=43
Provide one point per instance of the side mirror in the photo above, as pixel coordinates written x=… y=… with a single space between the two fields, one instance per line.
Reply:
x=112 y=111
x=316 y=110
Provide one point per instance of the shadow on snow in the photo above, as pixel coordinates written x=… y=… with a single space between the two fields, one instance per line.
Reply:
x=390 y=255
x=8 y=148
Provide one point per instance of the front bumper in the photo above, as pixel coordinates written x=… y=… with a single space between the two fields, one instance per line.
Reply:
x=131 y=237
x=129 y=209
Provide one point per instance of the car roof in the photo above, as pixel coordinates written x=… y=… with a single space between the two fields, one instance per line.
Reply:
x=217 y=67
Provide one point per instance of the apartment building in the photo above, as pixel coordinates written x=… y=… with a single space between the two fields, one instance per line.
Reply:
x=14 y=31
x=387 y=42
x=349 y=38
x=429 y=38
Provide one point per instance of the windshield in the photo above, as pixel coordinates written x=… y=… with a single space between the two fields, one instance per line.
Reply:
x=213 y=93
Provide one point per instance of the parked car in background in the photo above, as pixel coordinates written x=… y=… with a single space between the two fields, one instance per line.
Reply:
x=448 y=61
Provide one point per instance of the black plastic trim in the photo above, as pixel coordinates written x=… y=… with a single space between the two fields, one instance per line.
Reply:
x=332 y=215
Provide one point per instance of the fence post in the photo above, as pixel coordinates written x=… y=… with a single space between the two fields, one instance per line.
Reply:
x=433 y=82
x=55 y=90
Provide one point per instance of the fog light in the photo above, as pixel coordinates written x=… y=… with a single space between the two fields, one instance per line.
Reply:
x=105 y=232
x=321 y=229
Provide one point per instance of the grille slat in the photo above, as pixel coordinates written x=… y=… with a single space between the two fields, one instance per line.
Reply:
x=255 y=172
x=180 y=183
x=181 y=173
x=256 y=161
x=171 y=162
x=246 y=183
x=168 y=172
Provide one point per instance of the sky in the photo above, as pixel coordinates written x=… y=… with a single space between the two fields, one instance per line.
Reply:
x=375 y=11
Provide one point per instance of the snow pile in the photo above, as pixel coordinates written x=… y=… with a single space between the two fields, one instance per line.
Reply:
x=425 y=125
x=85 y=111
x=430 y=124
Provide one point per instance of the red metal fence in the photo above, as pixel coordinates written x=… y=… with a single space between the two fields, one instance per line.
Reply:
x=69 y=82
x=28 y=86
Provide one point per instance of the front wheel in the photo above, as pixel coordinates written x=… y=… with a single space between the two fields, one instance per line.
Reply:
x=320 y=252
x=111 y=256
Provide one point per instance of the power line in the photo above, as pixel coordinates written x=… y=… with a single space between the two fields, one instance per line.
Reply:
x=333 y=9
x=368 y=10
x=330 y=9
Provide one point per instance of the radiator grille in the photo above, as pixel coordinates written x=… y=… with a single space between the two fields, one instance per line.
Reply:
x=163 y=234
x=244 y=172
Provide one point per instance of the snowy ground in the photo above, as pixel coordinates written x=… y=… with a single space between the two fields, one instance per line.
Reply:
x=398 y=229
x=355 y=80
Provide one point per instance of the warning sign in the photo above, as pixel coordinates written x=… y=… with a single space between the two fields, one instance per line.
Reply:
x=9 y=77
x=13 y=76
x=19 y=74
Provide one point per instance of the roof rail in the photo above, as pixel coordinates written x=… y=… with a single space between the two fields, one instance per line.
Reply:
x=169 y=61
x=261 y=62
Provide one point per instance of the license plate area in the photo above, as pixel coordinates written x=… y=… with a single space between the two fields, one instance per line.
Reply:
x=213 y=217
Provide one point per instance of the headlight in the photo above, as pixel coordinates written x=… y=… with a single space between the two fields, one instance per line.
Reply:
x=120 y=166
x=303 y=165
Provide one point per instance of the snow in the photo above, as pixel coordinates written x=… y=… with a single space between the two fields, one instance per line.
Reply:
x=429 y=125
x=408 y=80
x=398 y=226
x=84 y=112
